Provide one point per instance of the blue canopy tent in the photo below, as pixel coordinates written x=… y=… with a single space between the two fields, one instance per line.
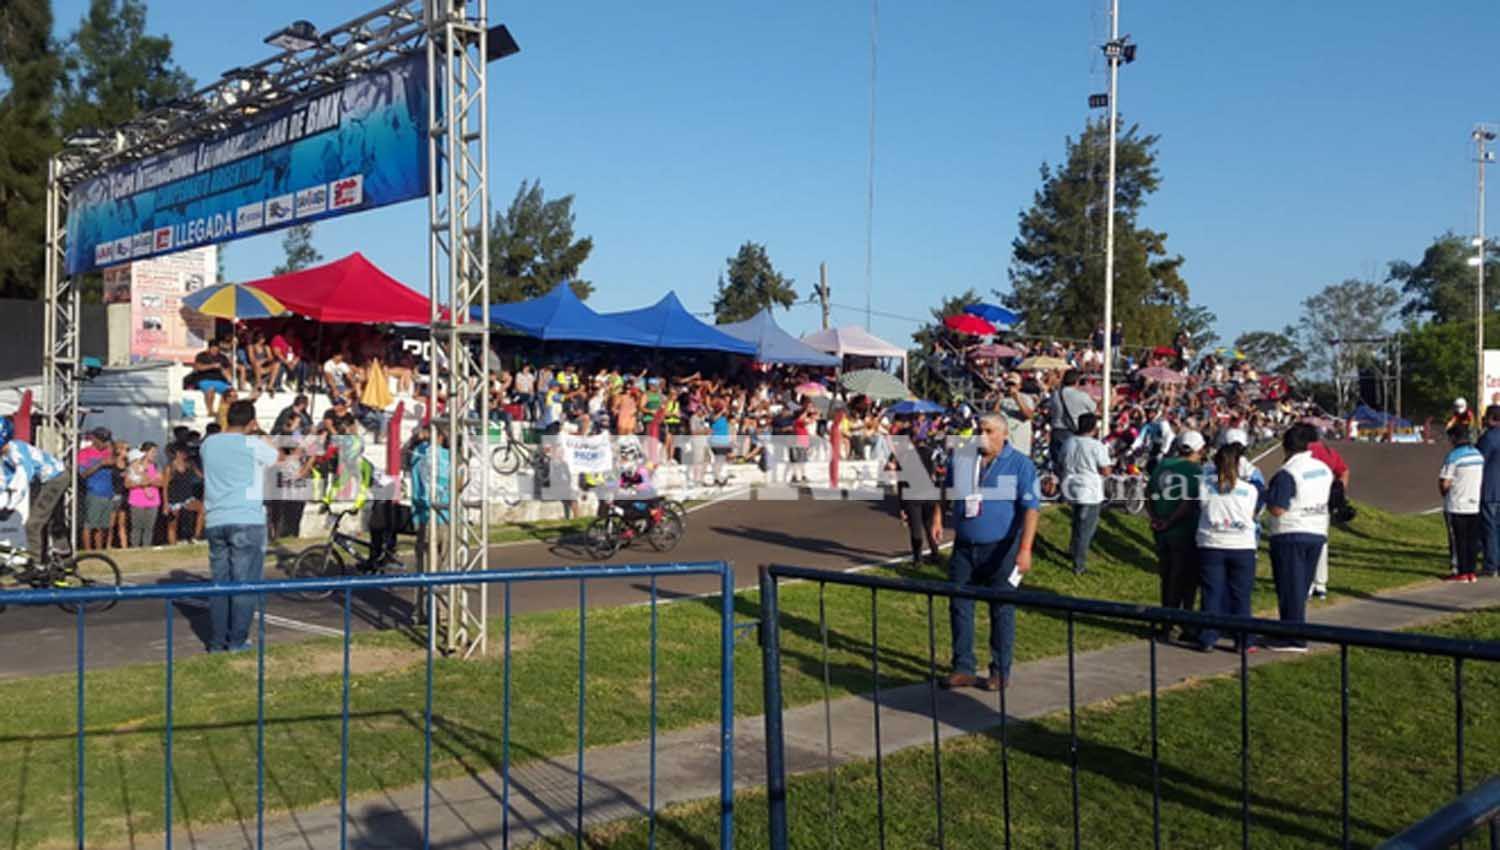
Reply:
x=914 y=406
x=774 y=345
x=559 y=315
x=672 y=326
x=1368 y=417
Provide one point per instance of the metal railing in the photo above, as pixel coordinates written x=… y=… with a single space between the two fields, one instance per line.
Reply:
x=347 y=587
x=1476 y=808
x=1071 y=609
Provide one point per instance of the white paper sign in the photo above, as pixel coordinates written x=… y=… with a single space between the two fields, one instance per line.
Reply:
x=589 y=455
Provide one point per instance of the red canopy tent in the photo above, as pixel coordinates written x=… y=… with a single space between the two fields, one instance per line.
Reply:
x=349 y=290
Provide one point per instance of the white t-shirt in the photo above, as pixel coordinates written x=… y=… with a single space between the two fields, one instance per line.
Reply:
x=1464 y=466
x=1227 y=520
x=1082 y=459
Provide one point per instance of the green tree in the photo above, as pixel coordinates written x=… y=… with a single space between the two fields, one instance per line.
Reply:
x=1440 y=286
x=114 y=71
x=532 y=248
x=1437 y=366
x=28 y=137
x=1057 y=264
x=1334 y=324
x=1199 y=323
x=753 y=285
x=298 y=247
x=1273 y=351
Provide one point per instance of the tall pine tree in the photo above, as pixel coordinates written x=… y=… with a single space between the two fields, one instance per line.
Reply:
x=532 y=248
x=1057 y=266
x=28 y=137
x=115 y=71
x=754 y=284
x=298 y=246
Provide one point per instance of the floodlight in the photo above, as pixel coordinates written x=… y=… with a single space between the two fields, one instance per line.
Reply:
x=1098 y=101
x=297 y=36
x=499 y=43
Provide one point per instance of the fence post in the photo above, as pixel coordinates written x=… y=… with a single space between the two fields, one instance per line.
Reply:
x=771 y=671
x=726 y=709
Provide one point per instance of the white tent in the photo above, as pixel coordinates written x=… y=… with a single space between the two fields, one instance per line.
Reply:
x=855 y=340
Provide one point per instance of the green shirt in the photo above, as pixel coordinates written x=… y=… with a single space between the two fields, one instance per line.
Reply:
x=1175 y=480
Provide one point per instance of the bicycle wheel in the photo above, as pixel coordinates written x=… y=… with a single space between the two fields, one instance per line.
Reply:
x=314 y=562
x=666 y=534
x=505 y=459
x=674 y=508
x=603 y=537
x=91 y=570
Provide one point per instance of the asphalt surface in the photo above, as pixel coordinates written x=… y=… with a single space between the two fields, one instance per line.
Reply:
x=820 y=533
x=809 y=532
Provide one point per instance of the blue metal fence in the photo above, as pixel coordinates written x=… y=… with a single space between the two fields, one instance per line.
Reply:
x=1469 y=812
x=347 y=587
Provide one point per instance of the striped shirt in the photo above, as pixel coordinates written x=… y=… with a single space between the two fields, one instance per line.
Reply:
x=1464 y=467
x=39 y=466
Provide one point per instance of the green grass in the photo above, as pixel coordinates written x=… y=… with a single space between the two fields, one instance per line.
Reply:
x=215 y=696
x=1402 y=761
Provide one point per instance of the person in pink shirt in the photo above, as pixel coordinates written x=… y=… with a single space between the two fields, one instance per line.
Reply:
x=143 y=495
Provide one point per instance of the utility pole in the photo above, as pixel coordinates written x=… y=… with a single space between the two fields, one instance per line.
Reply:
x=823 y=291
x=1481 y=135
x=1117 y=50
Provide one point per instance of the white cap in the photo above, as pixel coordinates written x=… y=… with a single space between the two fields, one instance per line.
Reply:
x=1460 y=404
x=134 y=455
x=1190 y=440
x=1236 y=435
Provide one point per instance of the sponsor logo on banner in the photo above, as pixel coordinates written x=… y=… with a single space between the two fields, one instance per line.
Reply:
x=250 y=217
x=123 y=248
x=348 y=192
x=103 y=253
x=312 y=201
x=140 y=244
x=279 y=209
x=163 y=239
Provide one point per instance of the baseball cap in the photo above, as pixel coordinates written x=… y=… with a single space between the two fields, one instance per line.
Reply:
x=1460 y=404
x=1237 y=435
x=1190 y=440
x=102 y=434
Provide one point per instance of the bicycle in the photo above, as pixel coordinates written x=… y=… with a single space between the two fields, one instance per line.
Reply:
x=615 y=530
x=326 y=560
x=1126 y=490
x=60 y=572
x=510 y=454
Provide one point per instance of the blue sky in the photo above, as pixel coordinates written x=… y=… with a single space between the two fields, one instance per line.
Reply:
x=1302 y=143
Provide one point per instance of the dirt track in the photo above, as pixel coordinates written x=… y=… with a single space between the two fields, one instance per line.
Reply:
x=1397 y=477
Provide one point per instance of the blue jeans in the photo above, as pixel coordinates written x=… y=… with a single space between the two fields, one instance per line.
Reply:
x=236 y=553
x=1294 y=558
x=982 y=565
x=1085 y=524
x=1226 y=576
x=1489 y=520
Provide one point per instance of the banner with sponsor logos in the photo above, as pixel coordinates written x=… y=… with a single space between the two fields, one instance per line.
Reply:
x=160 y=327
x=355 y=147
x=1491 y=382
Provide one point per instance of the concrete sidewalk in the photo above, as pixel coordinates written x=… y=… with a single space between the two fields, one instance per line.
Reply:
x=466 y=813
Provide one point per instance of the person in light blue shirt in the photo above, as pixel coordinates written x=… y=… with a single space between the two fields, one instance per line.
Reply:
x=1459 y=482
x=429 y=504
x=235 y=464
x=48 y=483
x=993 y=489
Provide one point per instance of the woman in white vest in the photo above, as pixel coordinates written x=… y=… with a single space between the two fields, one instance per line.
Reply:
x=1297 y=499
x=1227 y=539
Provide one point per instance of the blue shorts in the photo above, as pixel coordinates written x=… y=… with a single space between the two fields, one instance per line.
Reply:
x=212 y=386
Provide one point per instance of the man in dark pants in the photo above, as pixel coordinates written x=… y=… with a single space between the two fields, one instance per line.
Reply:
x=995 y=507
x=1489 y=489
x=1172 y=495
x=1297 y=499
x=1459 y=482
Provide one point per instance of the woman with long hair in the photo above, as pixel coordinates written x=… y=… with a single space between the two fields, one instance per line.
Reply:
x=1227 y=539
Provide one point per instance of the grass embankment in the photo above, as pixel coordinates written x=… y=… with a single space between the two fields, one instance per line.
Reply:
x=215 y=695
x=1402 y=763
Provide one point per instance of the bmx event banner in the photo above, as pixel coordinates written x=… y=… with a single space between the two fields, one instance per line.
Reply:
x=358 y=145
x=1491 y=382
x=160 y=327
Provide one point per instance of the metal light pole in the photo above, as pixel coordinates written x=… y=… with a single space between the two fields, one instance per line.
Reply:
x=1481 y=135
x=1113 y=50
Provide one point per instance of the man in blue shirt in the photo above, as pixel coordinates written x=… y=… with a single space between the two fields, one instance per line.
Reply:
x=1297 y=500
x=1489 y=489
x=235 y=462
x=993 y=489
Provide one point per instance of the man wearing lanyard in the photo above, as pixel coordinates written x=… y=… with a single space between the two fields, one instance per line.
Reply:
x=993 y=488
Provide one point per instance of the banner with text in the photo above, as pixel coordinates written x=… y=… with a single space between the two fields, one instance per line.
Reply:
x=1491 y=382
x=355 y=147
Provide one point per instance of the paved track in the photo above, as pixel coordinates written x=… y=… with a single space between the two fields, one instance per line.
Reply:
x=808 y=532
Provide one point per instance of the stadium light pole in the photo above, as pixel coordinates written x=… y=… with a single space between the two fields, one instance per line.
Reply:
x=1116 y=50
x=1481 y=135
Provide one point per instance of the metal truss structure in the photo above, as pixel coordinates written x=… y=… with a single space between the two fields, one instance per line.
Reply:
x=453 y=34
